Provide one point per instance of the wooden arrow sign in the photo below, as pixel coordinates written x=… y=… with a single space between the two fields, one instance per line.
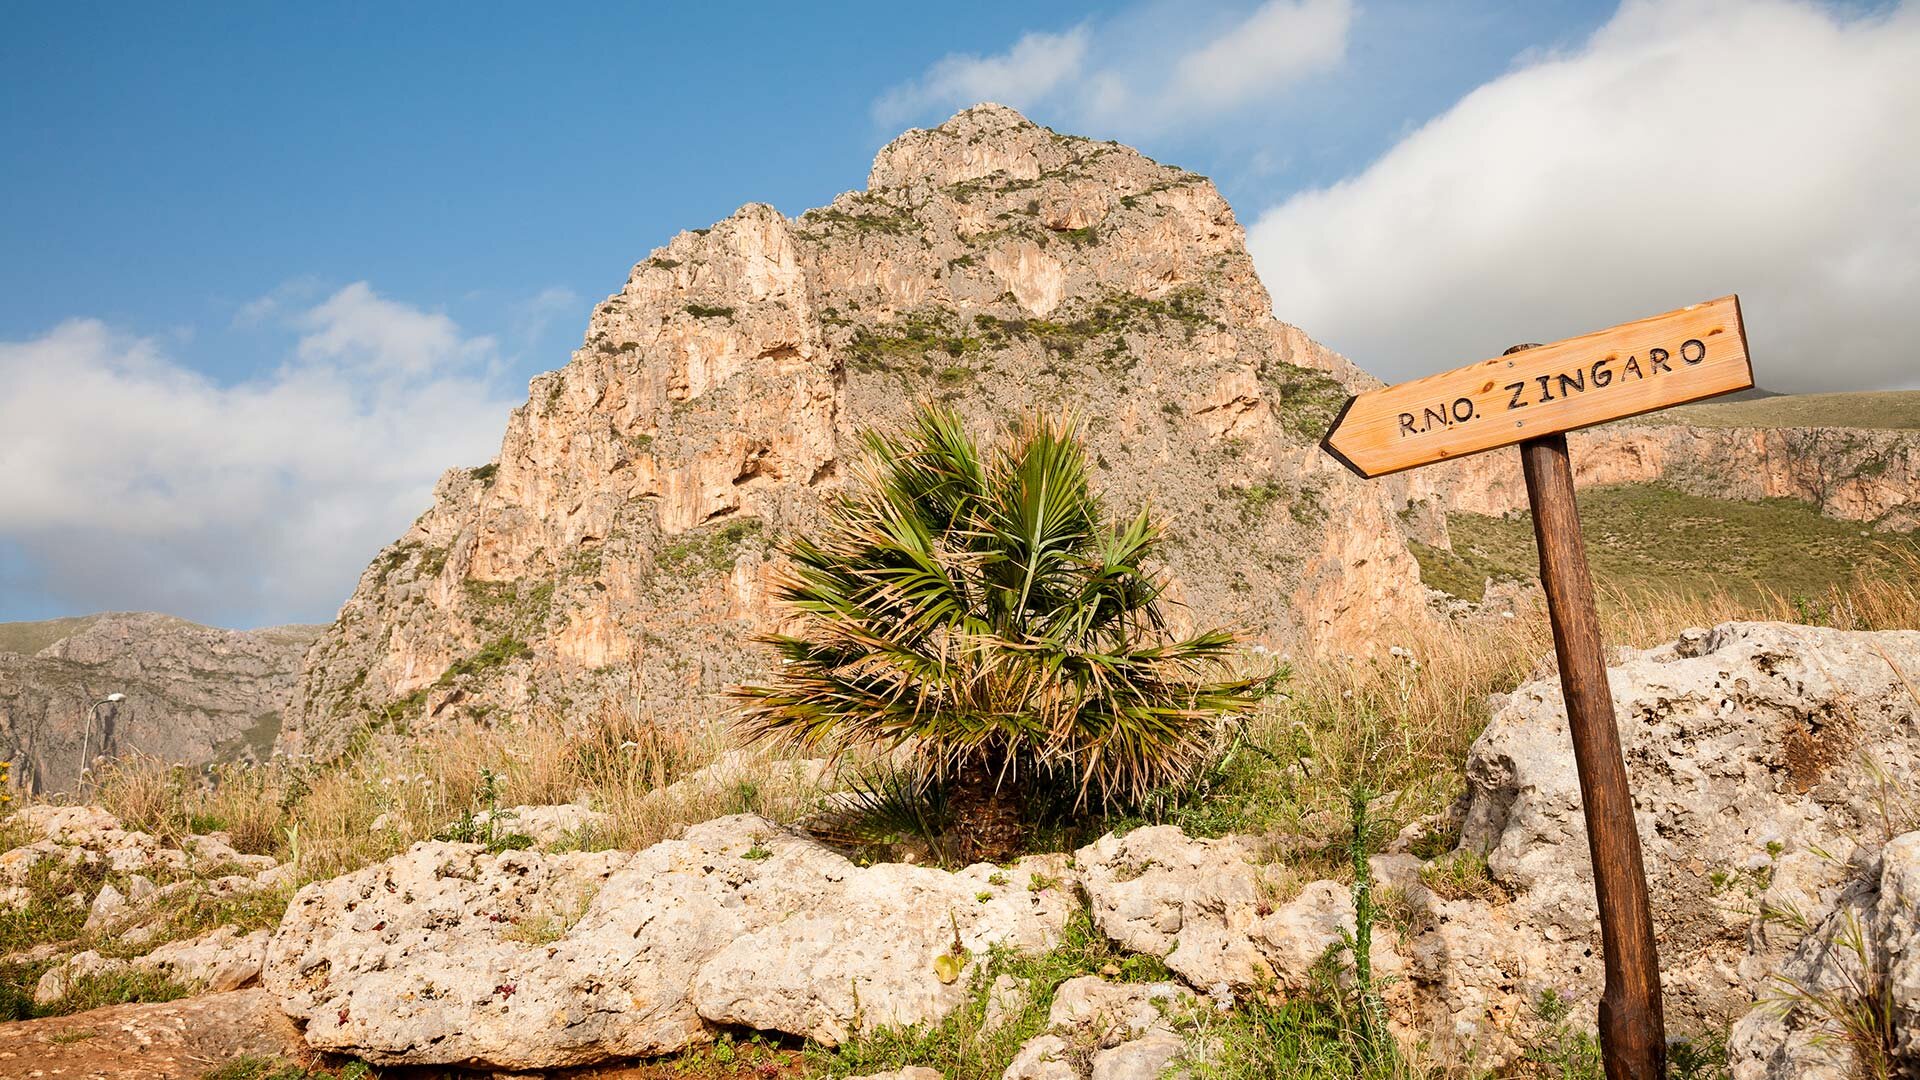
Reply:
x=1685 y=355
x=1533 y=395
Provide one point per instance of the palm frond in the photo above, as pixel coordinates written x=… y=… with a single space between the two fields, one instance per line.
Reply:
x=980 y=613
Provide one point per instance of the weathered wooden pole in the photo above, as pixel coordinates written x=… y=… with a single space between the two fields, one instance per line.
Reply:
x=1633 y=1042
x=1533 y=397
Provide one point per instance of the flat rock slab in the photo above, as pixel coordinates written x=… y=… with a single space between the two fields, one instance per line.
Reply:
x=173 y=1040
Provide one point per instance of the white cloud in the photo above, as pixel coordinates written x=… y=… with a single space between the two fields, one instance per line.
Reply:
x=134 y=481
x=359 y=329
x=1280 y=43
x=1687 y=150
x=1154 y=68
x=531 y=317
x=1036 y=66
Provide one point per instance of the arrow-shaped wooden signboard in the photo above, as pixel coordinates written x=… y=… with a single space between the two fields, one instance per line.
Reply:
x=1685 y=355
x=1533 y=395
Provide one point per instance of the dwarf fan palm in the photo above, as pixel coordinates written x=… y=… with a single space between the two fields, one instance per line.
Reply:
x=978 y=611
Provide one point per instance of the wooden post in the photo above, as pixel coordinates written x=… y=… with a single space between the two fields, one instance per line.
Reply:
x=1632 y=1028
x=1532 y=395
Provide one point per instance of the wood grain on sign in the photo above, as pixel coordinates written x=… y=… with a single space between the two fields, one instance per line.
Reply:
x=1681 y=356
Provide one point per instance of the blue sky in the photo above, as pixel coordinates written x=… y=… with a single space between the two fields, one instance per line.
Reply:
x=166 y=165
x=271 y=268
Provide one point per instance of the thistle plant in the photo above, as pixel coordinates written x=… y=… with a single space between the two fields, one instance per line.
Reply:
x=978 y=612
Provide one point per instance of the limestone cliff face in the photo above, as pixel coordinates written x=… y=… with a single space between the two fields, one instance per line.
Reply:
x=620 y=546
x=1855 y=474
x=193 y=693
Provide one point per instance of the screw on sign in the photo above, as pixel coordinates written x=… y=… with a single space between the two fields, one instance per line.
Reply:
x=1532 y=395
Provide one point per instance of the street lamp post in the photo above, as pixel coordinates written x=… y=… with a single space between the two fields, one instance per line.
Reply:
x=86 y=740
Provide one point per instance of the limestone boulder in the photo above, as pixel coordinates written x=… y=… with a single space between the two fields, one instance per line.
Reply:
x=870 y=953
x=225 y=959
x=1044 y=1057
x=1100 y=1030
x=1207 y=909
x=525 y=960
x=65 y=977
x=435 y=956
x=546 y=825
x=1761 y=757
x=1866 y=948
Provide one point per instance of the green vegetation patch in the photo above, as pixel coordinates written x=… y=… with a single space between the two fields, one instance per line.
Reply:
x=709 y=550
x=501 y=650
x=1651 y=538
x=268 y=1068
x=1305 y=398
x=887 y=220
x=520 y=607
x=1113 y=315
x=1882 y=409
x=913 y=343
x=30 y=637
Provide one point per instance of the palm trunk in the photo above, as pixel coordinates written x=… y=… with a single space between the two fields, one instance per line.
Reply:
x=986 y=811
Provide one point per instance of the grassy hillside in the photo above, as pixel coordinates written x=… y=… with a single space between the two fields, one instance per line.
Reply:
x=1896 y=409
x=31 y=637
x=1648 y=538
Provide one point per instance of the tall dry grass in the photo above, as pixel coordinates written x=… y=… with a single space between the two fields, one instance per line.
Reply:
x=338 y=816
x=1399 y=722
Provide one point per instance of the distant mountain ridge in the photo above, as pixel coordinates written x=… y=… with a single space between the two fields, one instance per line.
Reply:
x=193 y=693
x=1855 y=456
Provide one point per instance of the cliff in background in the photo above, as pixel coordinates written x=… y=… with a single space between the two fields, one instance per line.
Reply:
x=194 y=693
x=618 y=550
x=1855 y=474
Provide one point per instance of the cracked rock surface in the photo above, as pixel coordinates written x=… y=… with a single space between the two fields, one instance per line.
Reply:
x=522 y=960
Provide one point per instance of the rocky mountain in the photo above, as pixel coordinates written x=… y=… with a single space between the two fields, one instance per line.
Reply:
x=621 y=543
x=192 y=693
x=1852 y=473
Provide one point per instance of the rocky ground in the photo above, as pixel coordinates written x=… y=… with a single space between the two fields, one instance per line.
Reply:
x=1774 y=773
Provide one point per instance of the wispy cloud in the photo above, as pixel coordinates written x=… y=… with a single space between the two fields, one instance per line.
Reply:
x=1687 y=150
x=134 y=481
x=1036 y=67
x=1154 y=67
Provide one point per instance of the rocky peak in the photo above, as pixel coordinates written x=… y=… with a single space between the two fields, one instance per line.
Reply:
x=620 y=546
x=974 y=144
